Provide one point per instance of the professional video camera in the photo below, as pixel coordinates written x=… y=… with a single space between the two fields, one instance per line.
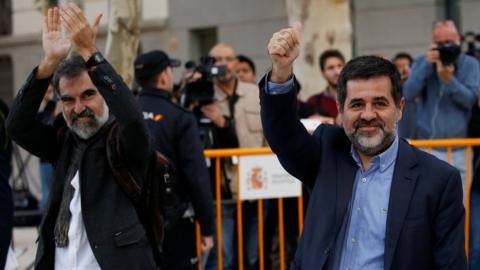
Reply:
x=449 y=52
x=201 y=91
x=470 y=39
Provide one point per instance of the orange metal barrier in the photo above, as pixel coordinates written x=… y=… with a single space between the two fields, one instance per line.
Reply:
x=217 y=154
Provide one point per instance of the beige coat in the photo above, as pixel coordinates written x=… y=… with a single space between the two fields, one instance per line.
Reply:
x=247 y=123
x=247 y=114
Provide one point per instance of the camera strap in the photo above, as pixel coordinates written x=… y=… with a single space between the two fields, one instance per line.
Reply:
x=232 y=100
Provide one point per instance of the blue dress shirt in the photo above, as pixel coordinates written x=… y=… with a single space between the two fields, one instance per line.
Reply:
x=364 y=237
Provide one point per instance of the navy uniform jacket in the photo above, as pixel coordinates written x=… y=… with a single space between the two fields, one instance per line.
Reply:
x=176 y=135
x=425 y=222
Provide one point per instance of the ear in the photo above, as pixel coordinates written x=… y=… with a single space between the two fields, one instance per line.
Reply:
x=162 y=78
x=401 y=105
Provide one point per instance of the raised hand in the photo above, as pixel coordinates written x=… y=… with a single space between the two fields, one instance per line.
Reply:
x=283 y=48
x=80 y=32
x=55 y=45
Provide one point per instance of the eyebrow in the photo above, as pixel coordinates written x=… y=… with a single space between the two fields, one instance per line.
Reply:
x=382 y=98
x=67 y=97
x=89 y=90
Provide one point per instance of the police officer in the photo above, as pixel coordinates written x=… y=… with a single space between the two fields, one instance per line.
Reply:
x=176 y=136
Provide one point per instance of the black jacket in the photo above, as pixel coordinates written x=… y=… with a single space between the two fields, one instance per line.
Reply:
x=115 y=234
x=6 y=201
x=176 y=135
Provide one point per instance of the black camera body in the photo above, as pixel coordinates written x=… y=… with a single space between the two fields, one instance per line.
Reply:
x=202 y=90
x=449 y=52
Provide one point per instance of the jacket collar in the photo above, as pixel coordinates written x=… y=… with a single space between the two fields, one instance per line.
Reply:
x=156 y=92
x=403 y=185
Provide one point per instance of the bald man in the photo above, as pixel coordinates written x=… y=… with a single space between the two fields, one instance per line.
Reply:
x=235 y=115
x=446 y=82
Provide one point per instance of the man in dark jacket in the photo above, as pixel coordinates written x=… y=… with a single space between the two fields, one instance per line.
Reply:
x=176 y=135
x=376 y=202
x=89 y=223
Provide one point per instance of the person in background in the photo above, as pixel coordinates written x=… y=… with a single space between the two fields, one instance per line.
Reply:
x=445 y=81
x=331 y=63
x=175 y=134
x=406 y=127
x=245 y=69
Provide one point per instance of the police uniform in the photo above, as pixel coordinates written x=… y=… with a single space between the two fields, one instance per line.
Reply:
x=176 y=135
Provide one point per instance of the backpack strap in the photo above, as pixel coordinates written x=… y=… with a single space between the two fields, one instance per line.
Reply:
x=148 y=217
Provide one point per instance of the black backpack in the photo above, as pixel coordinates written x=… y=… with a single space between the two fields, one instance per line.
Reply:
x=155 y=199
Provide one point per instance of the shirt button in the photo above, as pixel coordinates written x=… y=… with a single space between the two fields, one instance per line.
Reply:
x=359 y=209
x=326 y=251
x=354 y=240
x=364 y=180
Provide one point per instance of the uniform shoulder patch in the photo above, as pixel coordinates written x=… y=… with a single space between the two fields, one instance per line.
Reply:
x=156 y=117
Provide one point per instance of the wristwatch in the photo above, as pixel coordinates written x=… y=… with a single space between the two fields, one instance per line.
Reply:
x=94 y=60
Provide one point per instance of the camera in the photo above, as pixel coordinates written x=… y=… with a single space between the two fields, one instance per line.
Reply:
x=201 y=91
x=449 y=52
x=470 y=40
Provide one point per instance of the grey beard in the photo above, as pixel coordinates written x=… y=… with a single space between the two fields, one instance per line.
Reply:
x=87 y=130
x=388 y=138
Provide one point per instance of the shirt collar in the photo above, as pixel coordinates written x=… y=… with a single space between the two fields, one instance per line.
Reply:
x=220 y=95
x=382 y=161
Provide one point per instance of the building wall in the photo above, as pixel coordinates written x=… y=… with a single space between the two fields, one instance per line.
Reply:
x=469 y=10
x=247 y=25
x=387 y=27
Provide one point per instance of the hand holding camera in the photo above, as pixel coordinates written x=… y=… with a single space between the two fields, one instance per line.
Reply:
x=444 y=55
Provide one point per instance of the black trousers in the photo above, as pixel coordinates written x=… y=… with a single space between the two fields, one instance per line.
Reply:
x=179 y=246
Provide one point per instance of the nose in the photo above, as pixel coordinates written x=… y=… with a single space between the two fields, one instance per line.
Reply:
x=368 y=113
x=79 y=107
x=221 y=62
x=338 y=71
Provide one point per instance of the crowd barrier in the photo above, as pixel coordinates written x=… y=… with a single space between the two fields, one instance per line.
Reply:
x=216 y=155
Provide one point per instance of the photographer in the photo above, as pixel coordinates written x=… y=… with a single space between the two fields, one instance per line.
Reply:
x=235 y=115
x=445 y=81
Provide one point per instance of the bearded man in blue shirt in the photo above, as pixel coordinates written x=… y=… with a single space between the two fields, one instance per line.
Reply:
x=376 y=201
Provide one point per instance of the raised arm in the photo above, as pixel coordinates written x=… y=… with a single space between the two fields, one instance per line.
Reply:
x=296 y=149
x=22 y=125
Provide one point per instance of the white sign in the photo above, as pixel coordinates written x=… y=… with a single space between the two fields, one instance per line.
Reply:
x=262 y=177
x=310 y=124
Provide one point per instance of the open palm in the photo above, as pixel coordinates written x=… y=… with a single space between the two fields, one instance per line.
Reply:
x=55 y=45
